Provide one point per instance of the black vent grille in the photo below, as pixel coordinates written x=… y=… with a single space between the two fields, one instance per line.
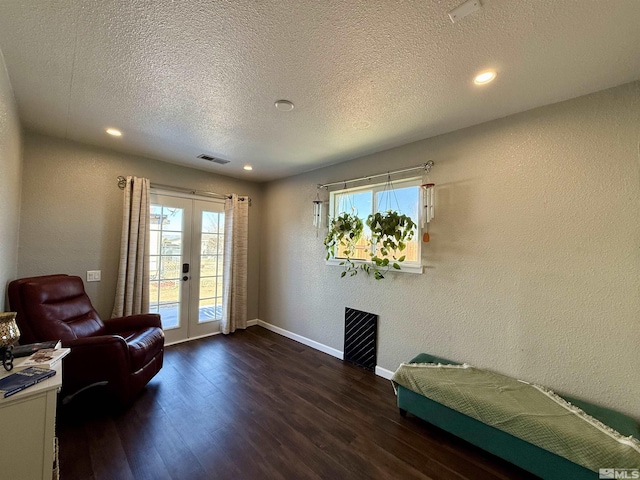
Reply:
x=360 y=338
x=214 y=159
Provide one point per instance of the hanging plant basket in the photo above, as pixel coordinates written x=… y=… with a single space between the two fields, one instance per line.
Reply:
x=344 y=233
x=390 y=233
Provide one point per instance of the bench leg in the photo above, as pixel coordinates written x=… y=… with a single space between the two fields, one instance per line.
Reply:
x=403 y=412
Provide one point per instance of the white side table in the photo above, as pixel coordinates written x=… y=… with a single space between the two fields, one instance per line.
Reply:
x=27 y=429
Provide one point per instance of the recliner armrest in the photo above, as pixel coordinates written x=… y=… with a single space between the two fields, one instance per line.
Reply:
x=132 y=322
x=109 y=352
x=110 y=340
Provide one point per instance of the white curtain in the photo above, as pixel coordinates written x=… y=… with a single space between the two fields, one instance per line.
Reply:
x=132 y=291
x=234 y=266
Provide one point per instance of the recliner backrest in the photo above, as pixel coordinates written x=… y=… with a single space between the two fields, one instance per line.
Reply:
x=53 y=307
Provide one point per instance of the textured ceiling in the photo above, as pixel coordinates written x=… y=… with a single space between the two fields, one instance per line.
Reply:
x=189 y=77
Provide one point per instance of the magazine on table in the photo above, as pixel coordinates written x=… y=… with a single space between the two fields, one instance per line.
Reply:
x=44 y=358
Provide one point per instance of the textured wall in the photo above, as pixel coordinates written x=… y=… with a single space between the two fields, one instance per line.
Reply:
x=533 y=268
x=10 y=173
x=72 y=211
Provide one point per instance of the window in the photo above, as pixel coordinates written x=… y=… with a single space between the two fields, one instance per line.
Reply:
x=403 y=197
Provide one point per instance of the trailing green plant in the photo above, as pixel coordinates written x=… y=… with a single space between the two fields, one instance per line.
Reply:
x=344 y=232
x=390 y=233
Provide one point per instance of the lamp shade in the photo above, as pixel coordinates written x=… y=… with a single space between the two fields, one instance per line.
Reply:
x=9 y=332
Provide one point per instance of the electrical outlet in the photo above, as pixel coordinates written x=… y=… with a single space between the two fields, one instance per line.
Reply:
x=94 y=275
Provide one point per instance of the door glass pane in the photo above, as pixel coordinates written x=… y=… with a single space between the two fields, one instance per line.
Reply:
x=169 y=291
x=211 y=253
x=165 y=263
x=208 y=265
x=171 y=219
x=210 y=309
x=211 y=222
x=170 y=315
x=170 y=267
x=154 y=267
x=171 y=243
x=219 y=267
x=211 y=244
x=154 y=292
x=207 y=287
x=154 y=242
x=155 y=218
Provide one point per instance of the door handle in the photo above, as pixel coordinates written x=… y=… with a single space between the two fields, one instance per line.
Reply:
x=185 y=278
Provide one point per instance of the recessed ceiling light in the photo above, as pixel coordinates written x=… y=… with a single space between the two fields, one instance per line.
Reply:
x=284 y=105
x=248 y=167
x=484 y=77
x=114 y=131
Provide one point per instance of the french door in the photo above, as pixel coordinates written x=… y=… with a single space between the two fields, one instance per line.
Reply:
x=186 y=253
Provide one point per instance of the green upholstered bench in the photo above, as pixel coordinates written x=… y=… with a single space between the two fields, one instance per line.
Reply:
x=519 y=452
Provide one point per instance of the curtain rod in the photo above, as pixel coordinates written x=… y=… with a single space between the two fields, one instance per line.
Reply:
x=425 y=166
x=122 y=182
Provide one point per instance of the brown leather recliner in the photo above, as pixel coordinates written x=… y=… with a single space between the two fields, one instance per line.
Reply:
x=121 y=354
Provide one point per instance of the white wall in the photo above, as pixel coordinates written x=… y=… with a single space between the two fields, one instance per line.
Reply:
x=72 y=211
x=10 y=173
x=533 y=268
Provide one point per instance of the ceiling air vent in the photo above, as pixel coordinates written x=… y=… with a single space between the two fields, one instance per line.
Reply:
x=214 y=159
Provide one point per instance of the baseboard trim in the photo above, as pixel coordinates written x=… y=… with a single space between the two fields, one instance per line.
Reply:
x=177 y=342
x=384 y=373
x=304 y=340
x=250 y=323
x=381 y=372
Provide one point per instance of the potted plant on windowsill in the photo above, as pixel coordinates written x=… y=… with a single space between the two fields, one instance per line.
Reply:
x=390 y=233
x=344 y=232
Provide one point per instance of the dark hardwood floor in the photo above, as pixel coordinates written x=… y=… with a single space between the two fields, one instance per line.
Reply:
x=256 y=405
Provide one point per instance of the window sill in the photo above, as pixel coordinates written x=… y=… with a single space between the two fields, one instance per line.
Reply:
x=405 y=268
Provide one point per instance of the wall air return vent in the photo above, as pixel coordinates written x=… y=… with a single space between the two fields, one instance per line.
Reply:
x=209 y=158
x=360 y=338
